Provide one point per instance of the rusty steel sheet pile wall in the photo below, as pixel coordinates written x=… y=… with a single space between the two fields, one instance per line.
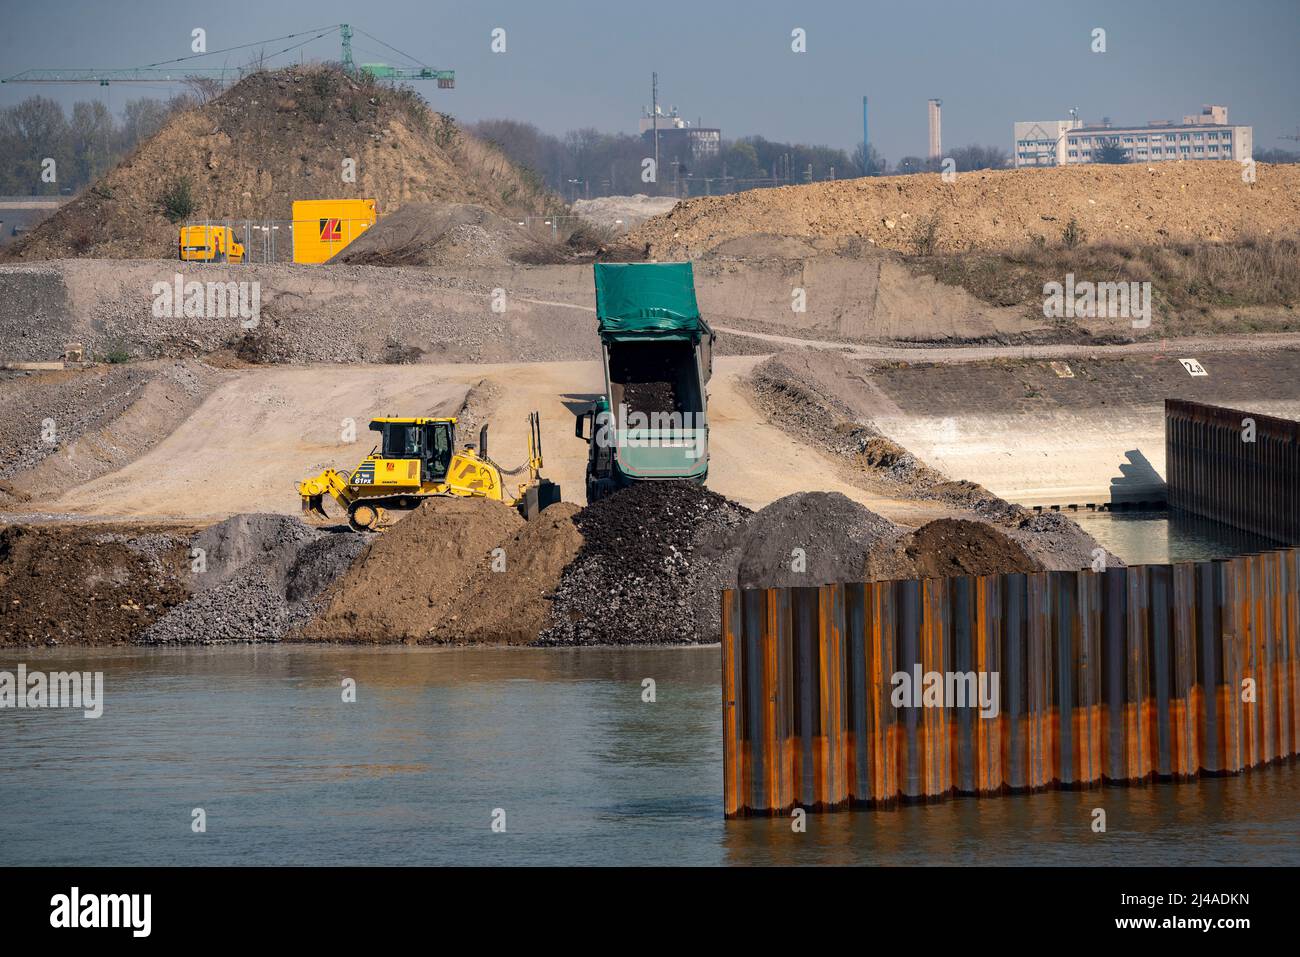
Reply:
x=1124 y=676
x=1214 y=472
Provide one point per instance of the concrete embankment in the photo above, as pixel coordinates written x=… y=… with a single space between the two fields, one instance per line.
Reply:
x=1039 y=431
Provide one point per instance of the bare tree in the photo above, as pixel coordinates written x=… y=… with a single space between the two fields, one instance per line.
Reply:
x=204 y=88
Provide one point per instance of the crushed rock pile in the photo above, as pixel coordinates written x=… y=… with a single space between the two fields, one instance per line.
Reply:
x=255 y=577
x=637 y=578
x=810 y=538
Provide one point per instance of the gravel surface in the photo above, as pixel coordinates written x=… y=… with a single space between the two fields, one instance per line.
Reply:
x=333 y=313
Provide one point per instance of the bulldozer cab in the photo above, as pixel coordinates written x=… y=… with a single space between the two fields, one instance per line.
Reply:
x=432 y=441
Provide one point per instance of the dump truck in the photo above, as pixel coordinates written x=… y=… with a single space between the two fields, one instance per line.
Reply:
x=323 y=227
x=651 y=422
x=210 y=244
x=417 y=459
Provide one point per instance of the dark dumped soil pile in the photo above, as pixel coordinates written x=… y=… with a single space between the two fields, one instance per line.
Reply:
x=810 y=538
x=436 y=234
x=513 y=604
x=638 y=578
x=650 y=397
x=949 y=547
x=89 y=585
x=275 y=137
x=254 y=578
x=409 y=579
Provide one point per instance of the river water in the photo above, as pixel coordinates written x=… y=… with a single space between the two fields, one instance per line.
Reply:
x=1160 y=537
x=438 y=740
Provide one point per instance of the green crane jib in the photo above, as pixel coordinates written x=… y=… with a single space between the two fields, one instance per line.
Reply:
x=172 y=71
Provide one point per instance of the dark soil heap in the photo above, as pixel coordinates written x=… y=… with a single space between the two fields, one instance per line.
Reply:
x=638 y=578
x=949 y=547
x=86 y=584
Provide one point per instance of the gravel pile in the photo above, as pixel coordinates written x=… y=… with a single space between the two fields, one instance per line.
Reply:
x=810 y=538
x=262 y=576
x=638 y=578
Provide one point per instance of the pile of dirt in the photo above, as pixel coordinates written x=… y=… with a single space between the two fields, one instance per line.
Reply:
x=87 y=584
x=993 y=209
x=275 y=137
x=946 y=548
x=254 y=578
x=436 y=234
x=510 y=601
x=58 y=429
x=408 y=581
x=637 y=578
x=810 y=538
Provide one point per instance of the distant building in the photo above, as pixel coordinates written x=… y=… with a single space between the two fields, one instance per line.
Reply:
x=678 y=139
x=1206 y=135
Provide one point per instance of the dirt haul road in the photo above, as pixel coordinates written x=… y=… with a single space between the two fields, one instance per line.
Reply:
x=248 y=445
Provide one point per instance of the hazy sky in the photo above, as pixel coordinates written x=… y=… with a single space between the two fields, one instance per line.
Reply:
x=574 y=63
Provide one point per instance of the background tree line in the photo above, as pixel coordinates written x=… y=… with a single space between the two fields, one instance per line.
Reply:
x=84 y=144
x=587 y=162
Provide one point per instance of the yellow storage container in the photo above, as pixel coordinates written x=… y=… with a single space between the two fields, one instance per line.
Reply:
x=321 y=227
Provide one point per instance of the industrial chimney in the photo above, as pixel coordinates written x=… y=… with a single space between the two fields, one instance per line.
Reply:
x=936 y=141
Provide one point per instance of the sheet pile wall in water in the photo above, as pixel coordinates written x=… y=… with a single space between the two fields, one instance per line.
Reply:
x=1214 y=471
x=1123 y=676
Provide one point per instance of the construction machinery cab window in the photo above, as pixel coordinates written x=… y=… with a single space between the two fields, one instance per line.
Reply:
x=430 y=442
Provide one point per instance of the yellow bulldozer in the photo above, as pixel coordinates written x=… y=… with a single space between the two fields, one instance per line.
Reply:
x=416 y=459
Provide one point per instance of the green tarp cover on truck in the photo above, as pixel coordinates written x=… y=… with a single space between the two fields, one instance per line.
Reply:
x=653 y=298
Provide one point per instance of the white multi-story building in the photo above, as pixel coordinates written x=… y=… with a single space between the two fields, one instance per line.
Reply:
x=1206 y=135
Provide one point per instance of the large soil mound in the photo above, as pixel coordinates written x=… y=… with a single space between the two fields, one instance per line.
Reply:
x=273 y=138
x=511 y=603
x=408 y=581
x=994 y=209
